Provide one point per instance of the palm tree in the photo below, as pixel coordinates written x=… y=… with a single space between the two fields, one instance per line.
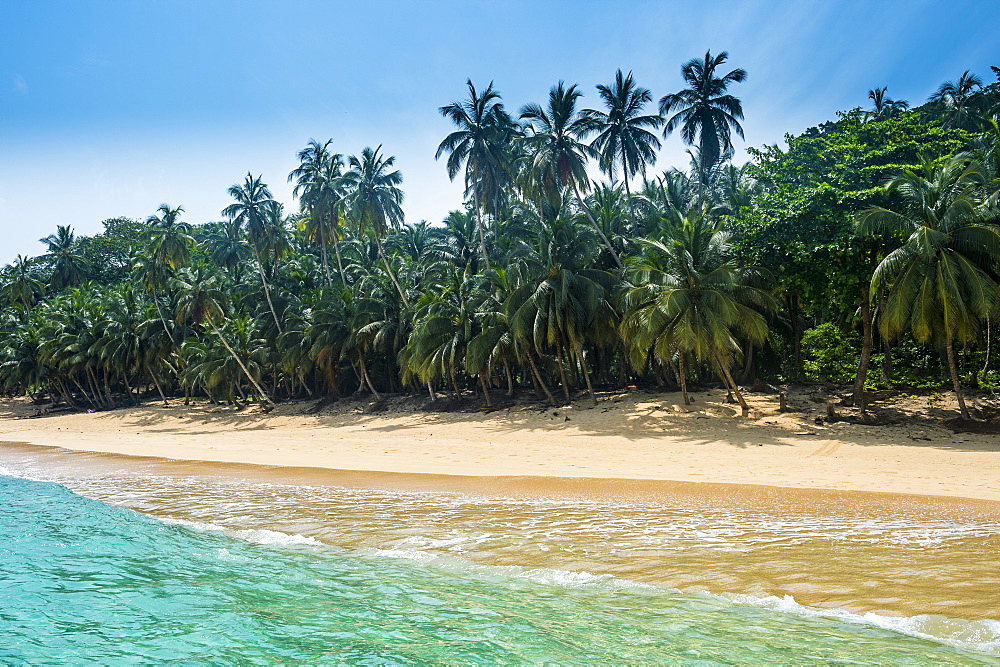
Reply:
x=624 y=140
x=227 y=248
x=563 y=303
x=22 y=287
x=691 y=299
x=955 y=97
x=557 y=155
x=941 y=281
x=249 y=212
x=706 y=114
x=320 y=185
x=375 y=200
x=480 y=143
x=883 y=106
x=69 y=268
x=169 y=239
x=201 y=300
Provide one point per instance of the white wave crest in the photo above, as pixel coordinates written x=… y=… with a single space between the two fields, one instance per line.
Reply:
x=982 y=636
x=252 y=535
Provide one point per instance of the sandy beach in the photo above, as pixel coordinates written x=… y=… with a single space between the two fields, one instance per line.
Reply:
x=641 y=436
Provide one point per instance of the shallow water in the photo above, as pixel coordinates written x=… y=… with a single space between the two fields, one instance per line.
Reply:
x=233 y=566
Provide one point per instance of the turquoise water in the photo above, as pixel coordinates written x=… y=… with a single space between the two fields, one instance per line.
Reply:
x=84 y=581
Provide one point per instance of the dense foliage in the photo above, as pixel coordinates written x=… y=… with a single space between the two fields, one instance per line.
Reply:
x=871 y=240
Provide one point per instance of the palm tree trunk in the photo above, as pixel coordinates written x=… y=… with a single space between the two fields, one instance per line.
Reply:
x=682 y=378
x=430 y=390
x=454 y=380
x=381 y=253
x=986 y=364
x=732 y=386
x=323 y=252
x=600 y=232
x=336 y=244
x=163 y=319
x=562 y=370
x=510 y=378
x=858 y=397
x=367 y=380
x=267 y=290
x=157 y=383
x=479 y=225
x=486 y=390
x=538 y=377
x=246 y=372
x=953 y=370
x=586 y=373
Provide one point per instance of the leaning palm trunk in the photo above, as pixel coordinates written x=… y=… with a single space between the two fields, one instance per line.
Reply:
x=367 y=380
x=732 y=386
x=538 y=377
x=263 y=394
x=159 y=310
x=388 y=269
x=562 y=370
x=953 y=370
x=486 y=390
x=586 y=373
x=600 y=232
x=159 y=389
x=267 y=290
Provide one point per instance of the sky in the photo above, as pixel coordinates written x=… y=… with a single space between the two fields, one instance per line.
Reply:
x=110 y=108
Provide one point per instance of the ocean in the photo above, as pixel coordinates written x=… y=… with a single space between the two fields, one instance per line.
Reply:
x=104 y=560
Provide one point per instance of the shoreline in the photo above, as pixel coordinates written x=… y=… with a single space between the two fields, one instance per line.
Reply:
x=588 y=489
x=631 y=437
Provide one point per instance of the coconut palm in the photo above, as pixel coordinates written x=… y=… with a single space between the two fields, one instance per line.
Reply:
x=69 y=267
x=706 y=114
x=556 y=152
x=375 y=200
x=21 y=286
x=690 y=300
x=883 y=106
x=941 y=282
x=227 y=248
x=955 y=97
x=200 y=300
x=481 y=143
x=249 y=211
x=624 y=138
x=563 y=303
x=169 y=240
x=320 y=186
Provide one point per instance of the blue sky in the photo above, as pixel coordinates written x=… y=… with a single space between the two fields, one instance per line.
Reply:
x=111 y=108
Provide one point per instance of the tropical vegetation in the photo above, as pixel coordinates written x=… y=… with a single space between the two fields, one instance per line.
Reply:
x=864 y=250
